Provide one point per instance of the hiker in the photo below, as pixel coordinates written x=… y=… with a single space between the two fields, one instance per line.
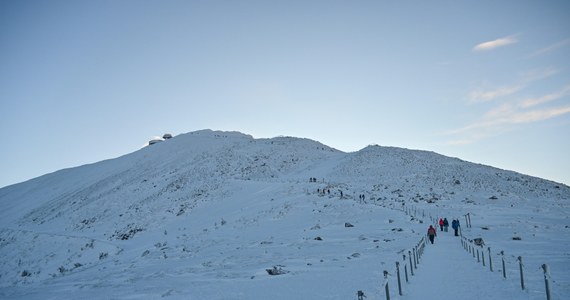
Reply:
x=440 y=224
x=431 y=233
x=445 y=224
x=455 y=226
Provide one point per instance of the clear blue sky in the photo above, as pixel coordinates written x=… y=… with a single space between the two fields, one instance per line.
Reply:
x=485 y=81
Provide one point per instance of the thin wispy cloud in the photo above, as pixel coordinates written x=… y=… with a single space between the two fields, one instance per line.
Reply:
x=546 y=98
x=495 y=121
x=490 y=45
x=485 y=96
x=550 y=48
x=482 y=95
x=508 y=116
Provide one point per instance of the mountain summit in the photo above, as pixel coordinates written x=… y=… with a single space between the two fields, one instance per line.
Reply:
x=204 y=214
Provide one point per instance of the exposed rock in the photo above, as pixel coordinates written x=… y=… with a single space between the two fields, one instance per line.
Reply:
x=277 y=270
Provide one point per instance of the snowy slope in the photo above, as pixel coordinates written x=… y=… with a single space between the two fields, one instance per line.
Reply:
x=204 y=214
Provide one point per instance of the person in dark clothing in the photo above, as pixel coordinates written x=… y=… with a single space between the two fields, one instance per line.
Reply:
x=431 y=233
x=455 y=226
x=445 y=224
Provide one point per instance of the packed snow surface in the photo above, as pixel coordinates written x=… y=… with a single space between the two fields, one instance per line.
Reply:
x=221 y=215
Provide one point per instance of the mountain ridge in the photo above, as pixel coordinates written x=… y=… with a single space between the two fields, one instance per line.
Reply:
x=155 y=202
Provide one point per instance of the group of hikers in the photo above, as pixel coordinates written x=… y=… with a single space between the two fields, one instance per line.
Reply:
x=443 y=226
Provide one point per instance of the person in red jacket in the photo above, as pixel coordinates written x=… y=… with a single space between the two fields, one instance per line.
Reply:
x=431 y=233
x=440 y=224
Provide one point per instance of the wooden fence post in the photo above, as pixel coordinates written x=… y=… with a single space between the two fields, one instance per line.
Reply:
x=406 y=269
x=415 y=259
x=546 y=283
x=411 y=266
x=399 y=282
x=503 y=259
x=386 y=286
x=521 y=269
x=490 y=260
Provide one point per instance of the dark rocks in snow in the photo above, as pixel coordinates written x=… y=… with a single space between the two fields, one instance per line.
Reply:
x=348 y=225
x=276 y=270
x=432 y=200
x=493 y=198
x=517 y=238
x=318 y=238
x=479 y=242
x=127 y=233
x=25 y=273
x=87 y=222
x=397 y=229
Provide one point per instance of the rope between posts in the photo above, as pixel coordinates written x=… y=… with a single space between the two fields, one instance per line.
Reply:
x=471 y=244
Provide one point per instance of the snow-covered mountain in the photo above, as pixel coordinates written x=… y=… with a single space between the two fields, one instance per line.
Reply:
x=204 y=215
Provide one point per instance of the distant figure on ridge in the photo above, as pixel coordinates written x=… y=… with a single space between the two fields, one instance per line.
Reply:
x=440 y=224
x=455 y=226
x=431 y=233
x=445 y=224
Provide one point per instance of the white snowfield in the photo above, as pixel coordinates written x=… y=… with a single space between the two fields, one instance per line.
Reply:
x=209 y=215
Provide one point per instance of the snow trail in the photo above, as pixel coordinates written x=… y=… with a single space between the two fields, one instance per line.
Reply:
x=447 y=271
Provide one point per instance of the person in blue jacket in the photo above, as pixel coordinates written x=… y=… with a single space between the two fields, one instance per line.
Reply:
x=455 y=226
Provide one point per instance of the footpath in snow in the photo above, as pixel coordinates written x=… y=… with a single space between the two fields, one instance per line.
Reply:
x=447 y=271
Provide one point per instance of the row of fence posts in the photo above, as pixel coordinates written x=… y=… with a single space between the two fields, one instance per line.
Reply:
x=413 y=260
x=472 y=248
